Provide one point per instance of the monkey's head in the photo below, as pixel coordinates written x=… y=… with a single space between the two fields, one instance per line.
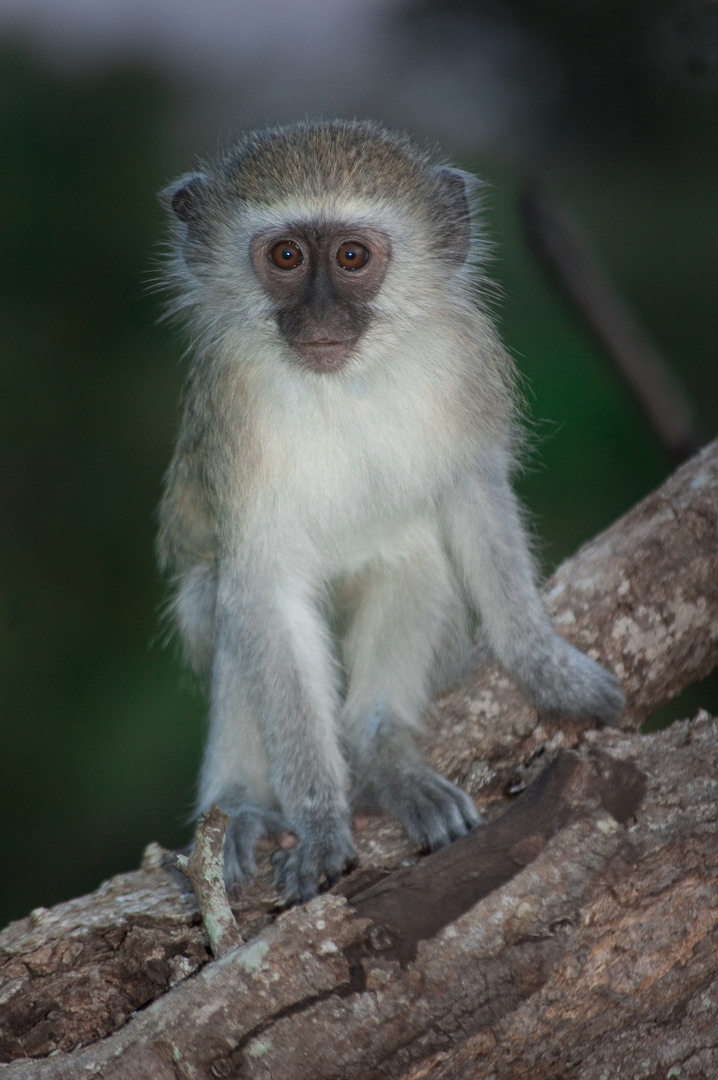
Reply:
x=314 y=233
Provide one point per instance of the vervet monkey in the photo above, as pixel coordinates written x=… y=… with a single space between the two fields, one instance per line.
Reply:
x=338 y=509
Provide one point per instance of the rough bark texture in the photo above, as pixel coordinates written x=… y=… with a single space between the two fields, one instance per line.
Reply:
x=632 y=989
x=574 y=936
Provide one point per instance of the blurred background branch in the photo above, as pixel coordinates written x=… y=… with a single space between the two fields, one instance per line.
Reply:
x=567 y=256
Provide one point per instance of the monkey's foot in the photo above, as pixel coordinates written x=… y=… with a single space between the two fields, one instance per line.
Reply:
x=432 y=810
x=247 y=826
x=324 y=849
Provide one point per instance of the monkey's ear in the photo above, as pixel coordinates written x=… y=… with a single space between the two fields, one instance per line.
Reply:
x=455 y=214
x=188 y=197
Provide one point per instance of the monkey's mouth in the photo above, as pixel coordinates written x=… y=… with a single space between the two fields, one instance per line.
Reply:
x=323 y=354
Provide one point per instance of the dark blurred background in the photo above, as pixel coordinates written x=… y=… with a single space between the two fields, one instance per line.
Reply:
x=612 y=106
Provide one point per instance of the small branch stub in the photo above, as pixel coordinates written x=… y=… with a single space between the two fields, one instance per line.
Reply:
x=205 y=870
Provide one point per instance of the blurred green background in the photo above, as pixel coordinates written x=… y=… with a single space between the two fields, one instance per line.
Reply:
x=100 y=729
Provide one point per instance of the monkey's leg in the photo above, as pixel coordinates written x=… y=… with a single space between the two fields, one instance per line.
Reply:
x=272 y=757
x=410 y=609
x=487 y=542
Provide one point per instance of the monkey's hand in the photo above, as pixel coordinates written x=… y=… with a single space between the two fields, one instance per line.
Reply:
x=568 y=682
x=432 y=810
x=247 y=826
x=324 y=848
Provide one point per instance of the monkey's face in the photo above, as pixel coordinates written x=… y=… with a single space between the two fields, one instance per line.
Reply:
x=283 y=250
x=321 y=279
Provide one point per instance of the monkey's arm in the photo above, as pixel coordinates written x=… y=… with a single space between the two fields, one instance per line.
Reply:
x=487 y=541
x=272 y=743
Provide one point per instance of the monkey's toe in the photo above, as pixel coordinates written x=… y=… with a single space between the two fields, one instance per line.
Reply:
x=433 y=811
x=298 y=871
x=439 y=813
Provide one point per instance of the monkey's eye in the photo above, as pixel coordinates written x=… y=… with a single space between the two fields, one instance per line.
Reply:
x=352 y=256
x=286 y=255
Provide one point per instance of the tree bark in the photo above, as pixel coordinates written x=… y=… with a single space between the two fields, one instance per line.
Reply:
x=575 y=935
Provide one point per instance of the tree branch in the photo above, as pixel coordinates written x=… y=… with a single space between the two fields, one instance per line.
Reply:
x=205 y=870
